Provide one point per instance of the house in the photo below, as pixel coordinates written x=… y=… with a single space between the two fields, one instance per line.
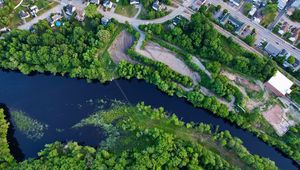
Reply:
x=252 y=11
x=23 y=14
x=156 y=6
x=105 y=21
x=80 y=15
x=296 y=64
x=176 y=20
x=4 y=30
x=54 y=18
x=70 y=9
x=227 y=18
x=281 y=4
x=107 y=4
x=279 y=84
x=256 y=20
x=34 y=10
x=134 y=2
x=96 y=2
x=202 y=2
x=236 y=2
x=284 y=53
x=272 y=50
x=296 y=4
x=284 y=28
x=295 y=35
x=292 y=66
x=260 y=2
x=1 y=3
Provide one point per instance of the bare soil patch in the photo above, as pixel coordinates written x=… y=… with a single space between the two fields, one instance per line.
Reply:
x=158 y=53
x=118 y=49
x=277 y=118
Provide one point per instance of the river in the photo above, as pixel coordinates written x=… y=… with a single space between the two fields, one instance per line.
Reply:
x=61 y=102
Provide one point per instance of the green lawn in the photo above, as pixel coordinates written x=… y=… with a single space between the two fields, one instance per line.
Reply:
x=127 y=10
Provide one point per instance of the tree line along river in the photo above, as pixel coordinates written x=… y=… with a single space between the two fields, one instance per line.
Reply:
x=61 y=102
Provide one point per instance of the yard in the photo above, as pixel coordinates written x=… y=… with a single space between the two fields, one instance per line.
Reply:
x=10 y=17
x=126 y=10
x=269 y=12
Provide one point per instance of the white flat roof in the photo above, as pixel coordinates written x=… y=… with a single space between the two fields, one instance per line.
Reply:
x=281 y=83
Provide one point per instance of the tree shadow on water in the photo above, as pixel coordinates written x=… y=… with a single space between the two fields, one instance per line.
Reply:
x=12 y=141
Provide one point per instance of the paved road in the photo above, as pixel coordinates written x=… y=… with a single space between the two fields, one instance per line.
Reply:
x=56 y=9
x=262 y=33
x=281 y=13
x=18 y=4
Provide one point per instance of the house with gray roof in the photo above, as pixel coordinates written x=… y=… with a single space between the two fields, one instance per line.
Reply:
x=70 y=9
x=156 y=6
x=24 y=14
x=228 y=18
x=272 y=50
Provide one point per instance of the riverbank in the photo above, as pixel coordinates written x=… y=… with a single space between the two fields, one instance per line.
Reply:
x=144 y=117
x=166 y=79
x=65 y=97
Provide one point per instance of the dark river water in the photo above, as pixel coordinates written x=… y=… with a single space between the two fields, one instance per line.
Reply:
x=61 y=102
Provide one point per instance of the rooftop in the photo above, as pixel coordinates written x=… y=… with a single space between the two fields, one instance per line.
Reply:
x=280 y=83
x=272 y=50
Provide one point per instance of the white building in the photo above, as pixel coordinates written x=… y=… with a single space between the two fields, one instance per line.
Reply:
x=279 y=84
x=281 y=4
x=252 y=11
x=134 y=2
x=107 y=4
x=236 y=2
x=296 y=4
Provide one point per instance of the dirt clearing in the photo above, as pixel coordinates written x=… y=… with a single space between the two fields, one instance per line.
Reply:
x=117 y=50
x=158 y=53
x=277 y=118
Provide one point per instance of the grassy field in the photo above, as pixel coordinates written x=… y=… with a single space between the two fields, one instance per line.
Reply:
x=126 y=10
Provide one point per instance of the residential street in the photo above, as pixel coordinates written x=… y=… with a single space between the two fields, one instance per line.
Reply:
x=56 y=9
x=27 y=25
x=262 y=33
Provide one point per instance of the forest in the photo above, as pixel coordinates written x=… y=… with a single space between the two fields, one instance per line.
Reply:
x=142 y=137
x=73 y=49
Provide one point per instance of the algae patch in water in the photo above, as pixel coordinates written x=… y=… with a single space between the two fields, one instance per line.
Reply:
x=32 y=128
